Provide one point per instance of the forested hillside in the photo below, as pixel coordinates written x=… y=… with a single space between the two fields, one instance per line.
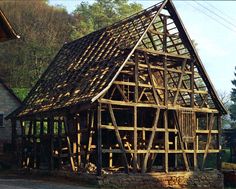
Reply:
x=44 y=29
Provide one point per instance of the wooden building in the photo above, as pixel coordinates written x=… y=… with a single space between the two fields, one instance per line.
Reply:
x=8 y=100
x=133 y=96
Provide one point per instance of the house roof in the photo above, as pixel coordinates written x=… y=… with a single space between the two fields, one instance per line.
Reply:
x=10 y=90
x=84 y=69
x=6 y=30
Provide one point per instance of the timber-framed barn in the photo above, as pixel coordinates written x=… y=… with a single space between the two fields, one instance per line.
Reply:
x=130 y=97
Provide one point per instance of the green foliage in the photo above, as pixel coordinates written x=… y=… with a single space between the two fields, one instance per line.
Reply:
x=21 y=92
x=44 y=29
x=232 y=107
x=101 y=14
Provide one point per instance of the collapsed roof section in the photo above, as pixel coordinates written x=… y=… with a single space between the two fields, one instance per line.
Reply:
x=85 y=69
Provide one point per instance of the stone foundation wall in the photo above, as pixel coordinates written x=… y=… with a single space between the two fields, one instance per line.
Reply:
x=202 y=179
x=206 y=179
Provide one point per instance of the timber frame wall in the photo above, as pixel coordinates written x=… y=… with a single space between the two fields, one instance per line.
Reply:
x=159 y=112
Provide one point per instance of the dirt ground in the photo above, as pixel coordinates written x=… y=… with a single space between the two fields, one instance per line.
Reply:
x=17 y=183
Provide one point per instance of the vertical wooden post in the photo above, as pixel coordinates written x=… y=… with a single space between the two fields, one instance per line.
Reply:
x=28 y=160
x=219 y=126
x=135 y=157
x=59 y=141
x=23 y=143
x=78 y=143
x=51 y=137
x=135 y=121
x=165 y=114
x=99 y=140
x=41 y=140
x=90 y=137
x=35 y=144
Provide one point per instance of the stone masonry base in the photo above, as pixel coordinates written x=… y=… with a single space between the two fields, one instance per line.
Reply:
x=201 y=179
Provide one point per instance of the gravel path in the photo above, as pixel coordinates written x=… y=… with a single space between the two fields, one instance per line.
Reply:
x=36 y=184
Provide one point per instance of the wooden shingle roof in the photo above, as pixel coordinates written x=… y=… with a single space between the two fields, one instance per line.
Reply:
x=85 y=68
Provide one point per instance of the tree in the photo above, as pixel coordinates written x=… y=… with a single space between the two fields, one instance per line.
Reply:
x=43 y=30
x=101 y=14
x=232 y=108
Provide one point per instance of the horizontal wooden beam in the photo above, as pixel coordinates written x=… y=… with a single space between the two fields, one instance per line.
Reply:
x=145 y=105
x=131 y=128
x=159 y=87
x=150 y=51
x=160 y=151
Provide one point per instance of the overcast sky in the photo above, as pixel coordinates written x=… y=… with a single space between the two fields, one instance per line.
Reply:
x=216 y=41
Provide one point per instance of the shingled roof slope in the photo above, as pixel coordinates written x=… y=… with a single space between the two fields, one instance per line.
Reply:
x=85 y=68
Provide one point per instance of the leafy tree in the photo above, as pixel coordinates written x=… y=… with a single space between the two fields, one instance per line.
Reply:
x=232 y=108
x=43 y=30
x=100 y=14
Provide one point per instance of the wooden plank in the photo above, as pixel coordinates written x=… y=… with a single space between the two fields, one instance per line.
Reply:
x=51 y=147
x=165 y=114
x=192 y=84
x=119 y=138
x=34 y=144
x=99 y=139
x=156 y=151
x=66 y=125
x=122 y=93
x=145 y=105
x=59 y=141
x=154 y=128
x=180 y=81
x=151 y=80
x=219 y=127
x=181 y=141
x=195 y=143
x=135 y=156
x=78 y=143
x=211 y=124
x=90 y=136
x=165 y=82
x=159 y=87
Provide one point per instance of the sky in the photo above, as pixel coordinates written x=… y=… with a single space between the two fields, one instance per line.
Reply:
x=214 y=32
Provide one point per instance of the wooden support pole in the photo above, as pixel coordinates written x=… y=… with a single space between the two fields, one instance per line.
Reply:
x=23 y=144
x=90 y=137
x=28 y=146
x=34 y=144
x=113 y=119
x=66 y=125
x=51 y=139
x=99 y=139
x=192 y=84
x=165 y=83
x=135 y=112
x=59 y=141
x=151 y=79
x=154 y=128
x=180 y=81
x=78 y=143
x=165 y=114
x=219 y=127
x=211 y=124
x=195 y=143
x=181 y=141
x=135 y=156
x=41 y=145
